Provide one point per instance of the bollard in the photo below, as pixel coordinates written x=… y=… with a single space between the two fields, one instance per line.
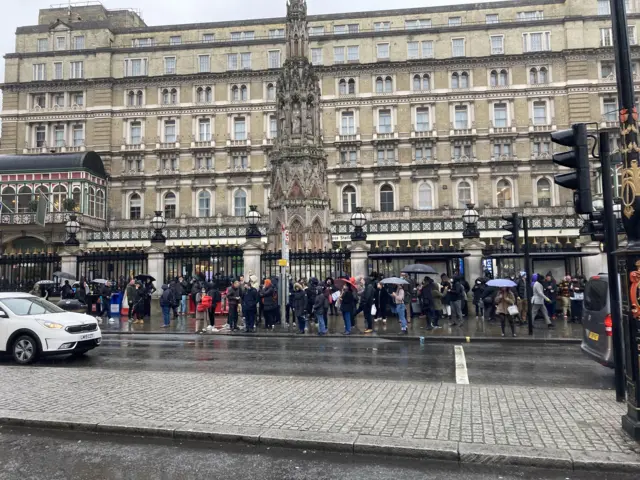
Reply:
x=421 y=340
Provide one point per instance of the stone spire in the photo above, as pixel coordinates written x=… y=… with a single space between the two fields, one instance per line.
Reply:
x=299 y=199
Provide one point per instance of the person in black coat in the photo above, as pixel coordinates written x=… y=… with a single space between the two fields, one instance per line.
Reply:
x=347 y=306
x=383 y=300
x=366 y=302
x=250 y=302
x=148 y=290
x=426 y=302
x=477 y=290
x=332 y=289
x=300 y=304
x=66 y=291
x=269 y=303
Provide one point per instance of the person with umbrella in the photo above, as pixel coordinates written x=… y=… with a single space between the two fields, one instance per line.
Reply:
x=131 y=297
x=66 y=291
x=382 y=299
x=366 y=303
x=408 y=295
x=139 y=303
x=504 y=300
x=148 y=290
x=398 y=298
x=426 y=302
x=348 y=304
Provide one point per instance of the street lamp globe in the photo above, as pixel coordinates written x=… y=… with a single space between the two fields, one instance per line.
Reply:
x=358 y=220
x=253 y=219
x=158 y=223
x=470 y=219
x=72 y=227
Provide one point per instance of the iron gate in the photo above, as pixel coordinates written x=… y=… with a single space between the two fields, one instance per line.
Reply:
x=111 y=265
x=219 y=264
x=321 y=264
x=21 y=272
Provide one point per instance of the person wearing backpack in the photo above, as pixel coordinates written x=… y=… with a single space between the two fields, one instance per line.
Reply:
x=166 y=301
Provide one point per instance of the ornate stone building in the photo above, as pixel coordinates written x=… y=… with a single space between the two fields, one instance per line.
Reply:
x=417 y=112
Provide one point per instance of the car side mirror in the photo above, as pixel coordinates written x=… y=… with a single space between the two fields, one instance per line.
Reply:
x=3 y=314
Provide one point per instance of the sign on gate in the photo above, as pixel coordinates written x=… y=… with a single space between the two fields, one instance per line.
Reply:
x=285 y=246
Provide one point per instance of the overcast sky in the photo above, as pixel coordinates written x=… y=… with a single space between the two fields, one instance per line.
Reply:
x=162 y=12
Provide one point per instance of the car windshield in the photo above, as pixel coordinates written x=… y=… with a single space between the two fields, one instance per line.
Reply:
x=30 y=306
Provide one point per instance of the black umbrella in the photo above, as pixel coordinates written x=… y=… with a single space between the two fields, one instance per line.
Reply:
x=64 y=275
x=418 y=268
x=143 y=277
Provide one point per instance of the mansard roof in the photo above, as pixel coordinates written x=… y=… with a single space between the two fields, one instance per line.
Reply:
x=59 y=162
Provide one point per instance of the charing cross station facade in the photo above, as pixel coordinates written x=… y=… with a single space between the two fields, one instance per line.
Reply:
x=409 y=114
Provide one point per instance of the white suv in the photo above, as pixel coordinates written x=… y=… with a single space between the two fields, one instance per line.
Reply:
x=31 y=326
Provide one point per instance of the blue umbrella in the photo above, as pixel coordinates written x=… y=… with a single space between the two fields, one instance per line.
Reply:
x=501 y=283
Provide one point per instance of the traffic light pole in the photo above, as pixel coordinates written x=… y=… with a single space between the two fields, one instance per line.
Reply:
x=610 y=246
x=527 y=271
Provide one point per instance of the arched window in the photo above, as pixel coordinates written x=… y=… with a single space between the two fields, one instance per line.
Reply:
x=174 y=96
x=342 y=87
x=271 y=92
x=9 y=199
x=131 y=98
x=166 y=96
x=464 y=194
x=240 y=203
x=352 y=86
x=59 y=196
x=200 y=95
x=388 y=85
x=543 y=188
x=386 y=198
x=92 y=202
x=169 y=205
x=76 y=197
x=42 y=190
x=504 y=194
x=24 y=197
x=425 y=197
x=243 y=92
x=464 y=80
x=543 y=76
x=417 y=83
x=135 y=207
x=100 y=204
x=139 y=97
x=208 y=95
x=533 y=76
x=503 y=78
x=493 y=78
x=235 y=93
x=204 y=204
x=379 y=85
x=348 y=199
x=455 y=80
x=426 y=82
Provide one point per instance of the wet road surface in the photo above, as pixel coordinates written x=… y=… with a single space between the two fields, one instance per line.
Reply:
x=33 y=454
x=553 y=365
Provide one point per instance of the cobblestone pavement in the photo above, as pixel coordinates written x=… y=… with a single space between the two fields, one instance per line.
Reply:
x=552 y=418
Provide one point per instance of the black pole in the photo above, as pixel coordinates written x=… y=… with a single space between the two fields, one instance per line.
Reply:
x=611 y=245
x=527 y=271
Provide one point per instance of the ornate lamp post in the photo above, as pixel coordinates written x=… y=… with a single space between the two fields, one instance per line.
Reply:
x=72 y=227
x=470 y=219
x=253 y=219
x=158 y=223
x=358 y=220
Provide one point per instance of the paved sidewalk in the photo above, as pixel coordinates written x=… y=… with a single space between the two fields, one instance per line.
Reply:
x=548 y=427
x=472 y=328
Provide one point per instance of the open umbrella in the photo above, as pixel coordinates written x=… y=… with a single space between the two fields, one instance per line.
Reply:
x=501 y=283
x=418 y=268
x=143 y=277
x=394 y=281
x=64 y=275
x=99 y=281
x=340 y=282
x=46 y=282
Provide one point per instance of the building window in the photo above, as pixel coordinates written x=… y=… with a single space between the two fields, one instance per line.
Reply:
x=245 y=61
x=239 y=129
x=271 y=92
x=170 y=131
x=57 y=71
x=536 y=42
x=208 y=37
x=464 y=194
x=606 y=39
x=169 y=205
x=497 y=44
x=540 y=113
x=342 y=29
x=135 y=207
x=135 y=165
x=135 y=67
x=459 y=80
x=58 y=99
x=384 y=85
x=273 y=126
x=427 y=49
x=240 y=203
x=61 y=43
x=501 y=150
x=491 y=18
x=169 y=96
x=607 y=70
x=422 y=119
x=77 y=69
x=416 y=24
x=238 y=36
x=346 y=87
x=461 y=117
x=316 y=30
x=204 y=130
x=204 y=163
x=386 y=156
x=348 y=124
x=78 y=135
x=500 y=115
x=457 y=47
x=204 y=204
x=541 y=149
x=58 y=135
x=274 y=59
x=204 y=95
x=348 y=199
x=142 y=42
x=316 y=56
x=77 y=99
x=498 y=78
x=78 y=42
x=538 y=75
x=386 y=198
x=175 y=40
x=423 y=154
x=338 y=55
x=276 y=33
x=455 y=21
x=41 y=136
x=39 y=71
x=383 y=51
x=134 y=98
x=504 y=194
x=528 y=16
x=413 y=50
x=461 y=152
x=425 y=197
x=170 y=164
x=204 y=63
x=610 y=109
x=421 y=82
x=604 y=7
x=39 y=100
x=381 y=26
x=353 y=53
x=348 y=158
x=384 y=121
x=543 y=189
x=631 y=33
x=43 y=45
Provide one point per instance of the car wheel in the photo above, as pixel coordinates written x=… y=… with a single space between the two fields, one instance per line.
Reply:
x=24 y=350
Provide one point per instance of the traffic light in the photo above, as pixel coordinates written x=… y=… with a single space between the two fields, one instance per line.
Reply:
x=594 y=226
x=513 y=226
x=578 y=159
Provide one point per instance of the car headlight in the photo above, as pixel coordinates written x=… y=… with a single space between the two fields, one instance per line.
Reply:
x=51 y=325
